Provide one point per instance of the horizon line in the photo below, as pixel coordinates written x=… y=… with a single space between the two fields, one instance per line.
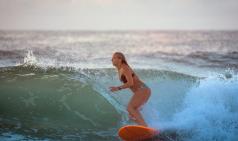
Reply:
x=117 y=30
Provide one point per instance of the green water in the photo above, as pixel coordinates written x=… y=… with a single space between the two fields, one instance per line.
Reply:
x=50 y=104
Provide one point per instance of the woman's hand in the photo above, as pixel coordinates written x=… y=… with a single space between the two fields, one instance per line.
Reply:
x=113 y=89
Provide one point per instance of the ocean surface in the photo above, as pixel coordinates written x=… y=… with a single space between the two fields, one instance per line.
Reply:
x=54 y=84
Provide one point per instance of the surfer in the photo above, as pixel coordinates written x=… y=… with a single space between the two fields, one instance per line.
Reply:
x=141 y=92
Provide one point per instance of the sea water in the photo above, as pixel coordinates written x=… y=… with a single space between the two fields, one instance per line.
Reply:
x=54 y=85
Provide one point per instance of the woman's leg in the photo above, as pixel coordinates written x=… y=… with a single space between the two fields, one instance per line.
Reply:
x=137 y=100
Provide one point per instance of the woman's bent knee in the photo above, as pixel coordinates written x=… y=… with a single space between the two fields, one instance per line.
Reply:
x=131 y=108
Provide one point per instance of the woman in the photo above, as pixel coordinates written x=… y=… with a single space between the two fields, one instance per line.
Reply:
x=141 y=92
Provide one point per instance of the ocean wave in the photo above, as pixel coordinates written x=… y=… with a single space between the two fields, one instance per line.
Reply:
x=208 y=111
x=39 y=100
x=155 y=57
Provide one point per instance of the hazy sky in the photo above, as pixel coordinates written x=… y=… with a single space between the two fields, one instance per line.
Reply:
x=118 y=14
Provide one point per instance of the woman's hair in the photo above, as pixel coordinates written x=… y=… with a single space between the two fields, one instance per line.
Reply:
x=122 y=57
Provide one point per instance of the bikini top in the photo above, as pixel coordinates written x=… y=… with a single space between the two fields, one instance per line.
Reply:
x=123 y=78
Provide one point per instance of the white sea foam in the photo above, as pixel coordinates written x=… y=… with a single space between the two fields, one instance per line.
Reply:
x=209 y=111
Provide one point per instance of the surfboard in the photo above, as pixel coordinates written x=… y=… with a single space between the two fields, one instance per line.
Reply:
x=136 y=133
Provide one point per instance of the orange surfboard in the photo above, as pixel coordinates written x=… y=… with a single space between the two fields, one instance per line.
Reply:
x=136 y=133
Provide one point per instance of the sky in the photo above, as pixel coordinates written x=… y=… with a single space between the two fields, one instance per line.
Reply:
x=119 y=14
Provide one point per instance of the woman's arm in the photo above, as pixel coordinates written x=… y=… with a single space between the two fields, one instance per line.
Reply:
x=126 y=71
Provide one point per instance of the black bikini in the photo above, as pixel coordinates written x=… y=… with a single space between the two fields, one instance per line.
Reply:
x=123 y=79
